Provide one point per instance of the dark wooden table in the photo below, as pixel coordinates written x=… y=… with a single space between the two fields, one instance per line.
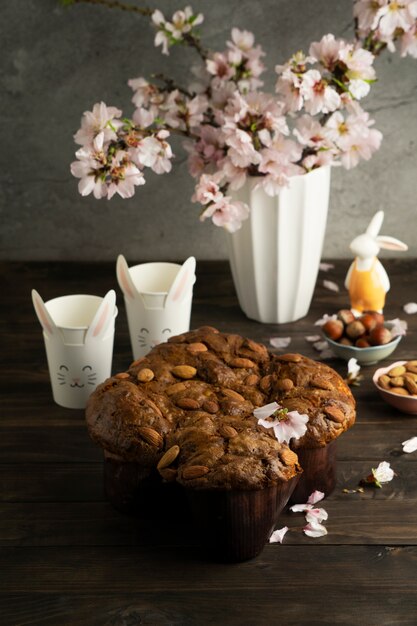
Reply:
x=67 y=557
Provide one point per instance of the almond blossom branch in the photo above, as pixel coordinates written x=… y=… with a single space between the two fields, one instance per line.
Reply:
x=233 y=129
x=112 y=4
x=170 y=84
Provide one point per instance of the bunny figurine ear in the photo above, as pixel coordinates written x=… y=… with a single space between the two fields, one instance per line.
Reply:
x=182 y=283
x=44 y=318
x=124 y=279
x=102 y=318
x=391 y=243
x=375 y=224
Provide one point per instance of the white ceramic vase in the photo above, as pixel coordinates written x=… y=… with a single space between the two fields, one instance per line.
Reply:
x=275 y=256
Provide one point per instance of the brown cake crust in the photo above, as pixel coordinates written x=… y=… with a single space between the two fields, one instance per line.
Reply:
x=192 y=414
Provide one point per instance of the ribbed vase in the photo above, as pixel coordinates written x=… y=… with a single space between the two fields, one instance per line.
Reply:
x=275 y=256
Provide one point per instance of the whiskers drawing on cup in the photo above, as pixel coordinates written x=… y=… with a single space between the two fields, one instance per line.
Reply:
x=146 y=342
x=86 y=377
x=78 y=332
x=158 y=298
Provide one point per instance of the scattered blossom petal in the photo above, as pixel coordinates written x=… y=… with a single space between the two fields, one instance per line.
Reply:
x=278 y=535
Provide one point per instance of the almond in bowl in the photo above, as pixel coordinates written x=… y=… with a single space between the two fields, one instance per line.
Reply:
x=397 y=385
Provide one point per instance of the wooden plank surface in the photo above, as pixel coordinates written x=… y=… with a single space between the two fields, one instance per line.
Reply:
x=66 y=557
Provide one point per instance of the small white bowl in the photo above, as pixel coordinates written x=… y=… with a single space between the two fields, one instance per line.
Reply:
x=364 y=356
x=405 y=404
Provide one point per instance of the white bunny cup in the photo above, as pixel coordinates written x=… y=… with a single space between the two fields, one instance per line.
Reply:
x=158 y=300
x=78 y=331
x=367 y=280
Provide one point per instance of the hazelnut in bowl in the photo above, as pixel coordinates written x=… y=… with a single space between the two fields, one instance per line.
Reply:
x=367 y=338
x=397 y=385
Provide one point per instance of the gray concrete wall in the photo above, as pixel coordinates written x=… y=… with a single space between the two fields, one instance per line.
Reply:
x=57 y=62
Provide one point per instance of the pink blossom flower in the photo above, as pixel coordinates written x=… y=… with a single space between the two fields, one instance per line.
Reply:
x=146 y=95
x=241 y=151
x=286 y=424
x=98 y=126
x=183 y=22
x=207 y=189
x=409 y=43
x=327 y=51
x=235 y=176
x=320 y=159
x=154 y=152
x=353 y=135
x=205 y=152
x=359 y=69
x=396 y=15
x=88 y=169
x=218 y=65
x=143 y=117
x=288 y=87
x=278 y=162
x=310 y=132
x=242 y=39
x=162 y=39
x=106 y=174
x=226 y=213
x=181 y=112
x=367 y=14
x=125 y=184
x=319 y=96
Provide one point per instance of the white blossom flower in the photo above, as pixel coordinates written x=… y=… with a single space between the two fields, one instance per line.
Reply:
x=382 y=474
x=287 y=425
x=98 y=126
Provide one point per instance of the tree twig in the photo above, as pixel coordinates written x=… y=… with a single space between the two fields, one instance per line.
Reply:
x=113 y=4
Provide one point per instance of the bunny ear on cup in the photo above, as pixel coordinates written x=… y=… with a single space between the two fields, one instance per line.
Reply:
x=182 y=283
x=391 y=243
x=375 y=224
x=44 y=318
x=124 y=279
x=102 y=318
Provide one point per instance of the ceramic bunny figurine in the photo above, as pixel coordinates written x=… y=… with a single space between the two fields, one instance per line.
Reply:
x=367 y=280
x=78 y=331
x=158 y=301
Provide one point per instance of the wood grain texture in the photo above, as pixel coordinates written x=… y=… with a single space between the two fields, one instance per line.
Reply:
x=67 y=557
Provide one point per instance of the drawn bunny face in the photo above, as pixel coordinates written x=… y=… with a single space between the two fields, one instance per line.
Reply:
x=147 y=342
x=158 y=301
x=77 y=379
x=78 y=333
